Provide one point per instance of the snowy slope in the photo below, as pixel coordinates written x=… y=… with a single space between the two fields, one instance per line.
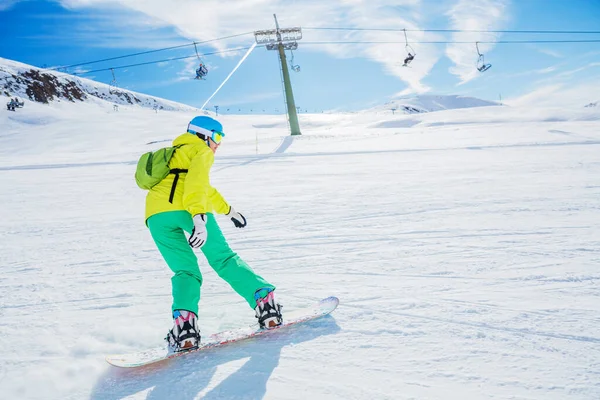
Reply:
x=464 y=247
x=430 y=103
x=44 y=86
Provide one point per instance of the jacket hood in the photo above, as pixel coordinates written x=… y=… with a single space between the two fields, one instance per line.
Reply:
x=187 y=138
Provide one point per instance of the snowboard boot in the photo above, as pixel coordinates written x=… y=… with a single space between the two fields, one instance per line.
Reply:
x=268 y=312
x=185 y=334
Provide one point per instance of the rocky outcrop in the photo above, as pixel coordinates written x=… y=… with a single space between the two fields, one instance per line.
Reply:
x=47 y=85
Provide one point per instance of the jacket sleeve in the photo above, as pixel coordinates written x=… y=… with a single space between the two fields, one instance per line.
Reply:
x=197 y=184
x=218 y=202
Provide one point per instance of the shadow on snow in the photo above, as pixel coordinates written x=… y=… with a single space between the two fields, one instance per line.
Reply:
x=185 y=377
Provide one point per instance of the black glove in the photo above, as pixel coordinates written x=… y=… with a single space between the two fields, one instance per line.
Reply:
x=238 y=219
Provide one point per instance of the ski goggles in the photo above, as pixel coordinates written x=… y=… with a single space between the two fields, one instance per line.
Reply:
x=215 y=136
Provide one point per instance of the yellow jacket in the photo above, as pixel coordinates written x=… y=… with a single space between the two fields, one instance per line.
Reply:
x=193 y=192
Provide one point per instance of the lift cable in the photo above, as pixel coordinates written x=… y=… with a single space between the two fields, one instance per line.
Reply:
x=159 y=61
x=151 y=51
x=346 y=42
x=453 y=30
x=457 y=42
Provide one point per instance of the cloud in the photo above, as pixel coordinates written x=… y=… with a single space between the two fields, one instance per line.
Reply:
x=549 y=52
x=546 y=70
x=473 y=15
x=250 y=99
x=559 y=95
x=390 y=56
x=535 y=97
x=578 y=70
x=80 y=70
x=531 y=72
x=8 y=4
x=211 y=19
x=112 y=28
x=560 y=87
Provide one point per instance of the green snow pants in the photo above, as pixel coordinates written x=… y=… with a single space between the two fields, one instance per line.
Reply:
x=168 y=229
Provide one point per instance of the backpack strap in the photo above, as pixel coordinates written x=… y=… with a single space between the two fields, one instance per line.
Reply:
x=175 y=171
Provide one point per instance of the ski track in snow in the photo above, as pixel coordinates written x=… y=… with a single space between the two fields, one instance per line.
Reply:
x=465 y=257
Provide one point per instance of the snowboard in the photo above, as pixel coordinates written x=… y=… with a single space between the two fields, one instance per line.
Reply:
x=152 y=356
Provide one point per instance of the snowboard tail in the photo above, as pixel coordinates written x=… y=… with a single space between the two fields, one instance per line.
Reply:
x=151 y=356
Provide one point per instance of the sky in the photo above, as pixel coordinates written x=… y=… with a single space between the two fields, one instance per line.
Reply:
x=333 y=75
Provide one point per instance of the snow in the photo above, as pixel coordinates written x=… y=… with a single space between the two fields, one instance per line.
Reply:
x=15 y=83
x=429 y=103
x=463 y=245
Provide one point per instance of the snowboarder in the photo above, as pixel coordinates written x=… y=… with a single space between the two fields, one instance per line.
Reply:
x=172 y=209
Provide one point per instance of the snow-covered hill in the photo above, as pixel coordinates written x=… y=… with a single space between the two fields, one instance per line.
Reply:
x=45 y=86
x=429 y=103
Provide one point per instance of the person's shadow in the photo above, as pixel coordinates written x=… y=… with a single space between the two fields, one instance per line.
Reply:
x=185 y=377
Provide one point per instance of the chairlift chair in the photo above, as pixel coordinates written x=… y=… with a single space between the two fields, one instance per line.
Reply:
x=295 y=67
x=113 y=87
x=411 y=52
x=481 y=65
x=408 y=59
x=201 y=71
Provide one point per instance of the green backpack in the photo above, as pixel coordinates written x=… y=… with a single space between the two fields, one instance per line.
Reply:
x=153 y=167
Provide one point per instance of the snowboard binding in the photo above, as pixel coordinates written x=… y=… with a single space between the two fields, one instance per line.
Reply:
x=185 y=335
x=268 y=312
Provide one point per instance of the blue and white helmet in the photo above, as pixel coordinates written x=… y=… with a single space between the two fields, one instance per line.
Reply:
x=205 y=126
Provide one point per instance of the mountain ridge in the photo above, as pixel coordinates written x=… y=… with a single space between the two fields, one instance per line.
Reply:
x=430 y=103
x=46 y=86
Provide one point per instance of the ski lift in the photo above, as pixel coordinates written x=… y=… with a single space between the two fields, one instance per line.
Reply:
x=411 y=52
x=295 y=68
x=481 y=65
x=201 y=71
x=113 y=88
